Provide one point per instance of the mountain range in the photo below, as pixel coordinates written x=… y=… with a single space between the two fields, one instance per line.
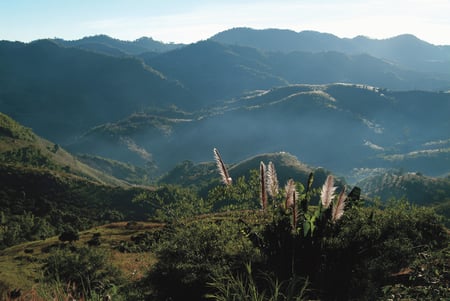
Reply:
x=314 y=95
x=404 y=50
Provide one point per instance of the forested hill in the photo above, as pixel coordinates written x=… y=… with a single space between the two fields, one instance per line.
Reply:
x=320 y=124
x=45 y=190
x=61 y=92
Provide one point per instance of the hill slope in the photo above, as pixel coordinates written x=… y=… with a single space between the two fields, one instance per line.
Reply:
x=20 y=147
x=320 y=124
x=62 y=92
x=217 y=71
x=44 y=189
x=414 y=187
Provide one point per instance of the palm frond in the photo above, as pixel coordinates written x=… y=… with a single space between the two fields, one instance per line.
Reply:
x=226 y=179
x=339 y=206
x=327 y=194
x=272 y=180
x=262 y=178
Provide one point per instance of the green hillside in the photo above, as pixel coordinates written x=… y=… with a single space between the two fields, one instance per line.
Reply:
x=45 y=189
x=20 y=147
x=415 y=187
x=62 y=92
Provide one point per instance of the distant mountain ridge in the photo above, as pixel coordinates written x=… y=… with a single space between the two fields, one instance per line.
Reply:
x=161 y=108
x=107 y=45
x=211 y=70
x=405 y=50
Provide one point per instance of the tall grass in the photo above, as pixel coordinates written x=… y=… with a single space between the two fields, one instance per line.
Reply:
x=53 y=292
x=250 y=288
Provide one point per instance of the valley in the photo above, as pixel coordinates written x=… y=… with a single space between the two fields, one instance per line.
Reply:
x=110 y=143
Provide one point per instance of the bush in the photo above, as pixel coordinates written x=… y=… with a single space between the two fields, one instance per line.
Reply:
x=193 y=252
x=87 y=269
x=353 y=258
x=69 y=235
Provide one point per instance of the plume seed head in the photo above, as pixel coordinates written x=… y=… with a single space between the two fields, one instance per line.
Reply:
x=327 y=193
x=272 y=180
x=339 y=206
x=223 y=171
x=263 y=192
x=291 y=193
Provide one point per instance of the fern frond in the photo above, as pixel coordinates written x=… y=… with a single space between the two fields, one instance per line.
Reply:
x=226 y=179
x=262 y=178
x=327 y=194
x=339 y=206
x=272 y=180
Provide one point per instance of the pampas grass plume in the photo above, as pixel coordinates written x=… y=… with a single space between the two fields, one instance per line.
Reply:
x=272 y=180
x=339 y=206
x=262 y=172
x=327 y=193
x=226 y=179
x=291 y=192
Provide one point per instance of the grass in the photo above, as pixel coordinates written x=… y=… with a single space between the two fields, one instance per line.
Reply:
x=20 y=265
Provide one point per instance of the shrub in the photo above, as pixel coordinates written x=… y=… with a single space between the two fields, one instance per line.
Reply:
x=193 y=252
x=87 y=269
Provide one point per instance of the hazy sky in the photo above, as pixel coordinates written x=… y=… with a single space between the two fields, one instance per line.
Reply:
x=190 y=21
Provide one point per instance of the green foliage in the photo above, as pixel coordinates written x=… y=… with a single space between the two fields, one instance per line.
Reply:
x=427 y=278
x=69 y=235
x=28 y=156
x=352 y=258
x=86 y=269
x=229 y=287
x=241 y=195
x=170 y=203
x=25 y=227
x=37 y=203
x=193 y=252
x=12 y=129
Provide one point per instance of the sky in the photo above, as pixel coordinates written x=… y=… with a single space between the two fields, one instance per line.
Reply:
x=189 y=21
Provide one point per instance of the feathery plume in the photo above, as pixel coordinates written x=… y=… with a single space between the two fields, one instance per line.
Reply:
x=327 y=193
x=294 y=210
x=291 y=193
x=262 y=178
x=272 y=180
x=339 y=206
x=226 y=179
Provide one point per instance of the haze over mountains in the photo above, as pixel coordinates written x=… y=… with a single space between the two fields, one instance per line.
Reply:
x=245 y=91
